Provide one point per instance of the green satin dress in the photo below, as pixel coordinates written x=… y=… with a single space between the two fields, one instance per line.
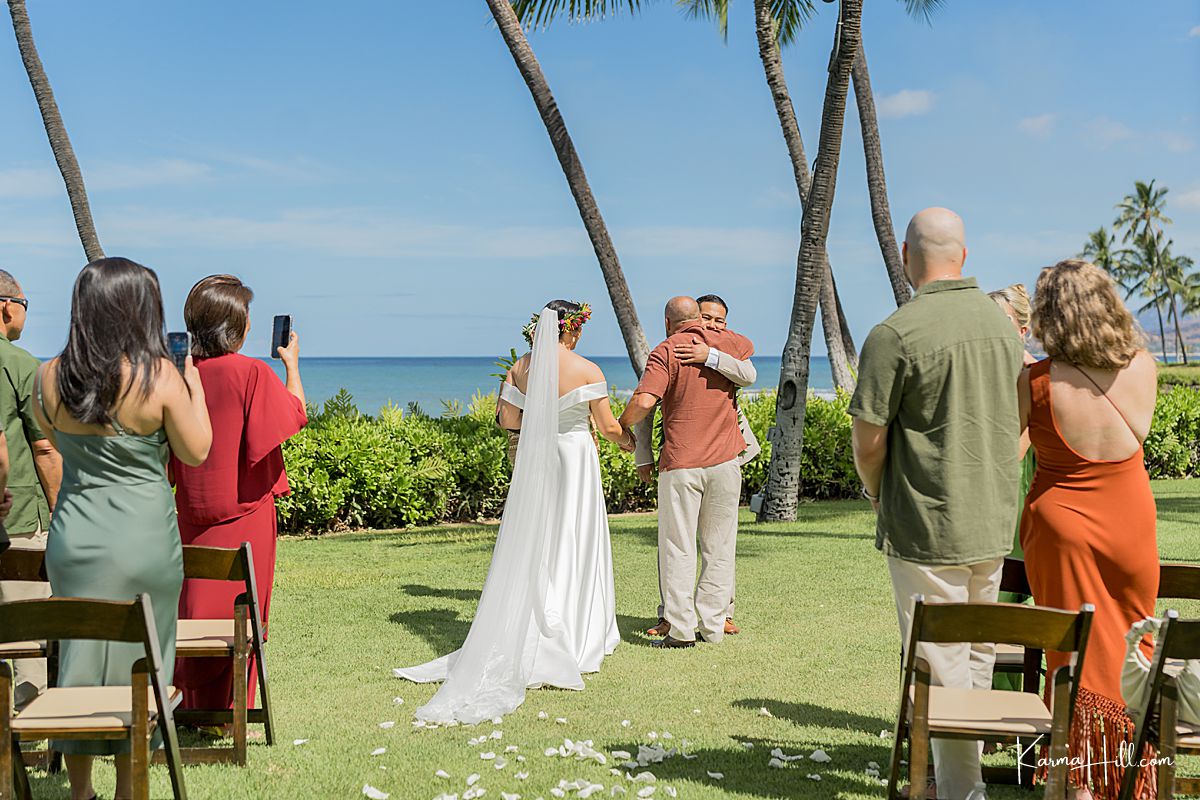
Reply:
x=1003 y=680
x=114 y=535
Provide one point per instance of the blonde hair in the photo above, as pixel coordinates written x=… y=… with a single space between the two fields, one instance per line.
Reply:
x=1079 y=317
x=1017 y=298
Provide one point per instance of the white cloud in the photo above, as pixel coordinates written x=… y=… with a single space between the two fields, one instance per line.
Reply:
x=905 y=103
x=1188 y=199
x=1178 y=143
x=1194 y=32
x=26 y=182
x=1041 y=125
x=1108 y=131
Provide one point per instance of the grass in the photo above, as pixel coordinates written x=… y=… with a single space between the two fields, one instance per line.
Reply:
x=1179 y=374
x=819 y=652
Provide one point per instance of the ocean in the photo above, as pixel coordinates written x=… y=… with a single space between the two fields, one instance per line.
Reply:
x=428 y=382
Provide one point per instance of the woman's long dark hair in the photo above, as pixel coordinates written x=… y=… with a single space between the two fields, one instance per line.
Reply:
x=116 y=319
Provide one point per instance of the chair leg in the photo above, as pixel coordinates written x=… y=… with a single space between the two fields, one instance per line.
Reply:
x=918 y=752
x=1166 y=753
x=139 y=738
x=240 y=668
x=8 y=775
x=1060 y=734
x=8 y=742
x=21 y=773
x=264 y=695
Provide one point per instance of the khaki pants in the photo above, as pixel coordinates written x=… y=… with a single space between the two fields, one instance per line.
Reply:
x=29 y=673
x=959 y=666
x=698 y=503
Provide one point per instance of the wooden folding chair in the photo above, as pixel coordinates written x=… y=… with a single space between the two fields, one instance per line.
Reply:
x=23 y=565
x=928 y=711
x=235 y=639
x=132 y=712
x=1011 y=658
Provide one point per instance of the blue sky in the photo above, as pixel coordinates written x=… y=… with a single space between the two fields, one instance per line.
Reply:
x=380 y=172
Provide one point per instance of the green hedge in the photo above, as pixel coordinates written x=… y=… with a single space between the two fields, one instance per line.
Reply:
x=405 y=468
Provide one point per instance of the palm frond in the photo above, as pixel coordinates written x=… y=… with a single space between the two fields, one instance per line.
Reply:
x=790 y=16
x=924 y=9
x=540 y=13
x=715 y=10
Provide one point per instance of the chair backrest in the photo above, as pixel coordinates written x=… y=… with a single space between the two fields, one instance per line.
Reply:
x=73 y=618
x=1002 y=623
x=1013 y=578
x=217 y=563
x=1179 y=581
x=23 y=565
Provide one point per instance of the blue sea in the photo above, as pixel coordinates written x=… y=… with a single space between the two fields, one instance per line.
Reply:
x=374 y=382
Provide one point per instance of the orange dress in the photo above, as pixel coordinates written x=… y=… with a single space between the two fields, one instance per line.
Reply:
x=1088 y=532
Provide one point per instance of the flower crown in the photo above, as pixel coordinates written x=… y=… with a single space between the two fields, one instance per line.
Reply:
x=571 y=322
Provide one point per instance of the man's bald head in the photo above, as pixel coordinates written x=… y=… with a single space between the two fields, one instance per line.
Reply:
x=935 y=246
x=679 y=311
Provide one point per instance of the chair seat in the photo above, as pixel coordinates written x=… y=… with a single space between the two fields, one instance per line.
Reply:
x=205 y=635
x=1187 y=736
x=986 y=711
x=1010 y=655
x=96 y=709
x=23 y=650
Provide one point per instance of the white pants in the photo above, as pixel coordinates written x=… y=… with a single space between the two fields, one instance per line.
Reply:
x=698 y=503
x=958 y=666
x=29 y=674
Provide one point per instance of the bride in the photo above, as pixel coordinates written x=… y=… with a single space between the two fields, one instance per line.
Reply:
x=547 y=613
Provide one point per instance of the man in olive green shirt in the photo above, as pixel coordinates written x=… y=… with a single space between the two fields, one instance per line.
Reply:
x=936 y=431
x=34 y=471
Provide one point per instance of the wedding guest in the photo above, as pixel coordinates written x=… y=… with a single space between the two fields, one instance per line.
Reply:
x=1089 y=524
x=230 y=498
x=935 y=437
x=700 y=481
x=115 y=406
x=34 y=469
x=714 y=313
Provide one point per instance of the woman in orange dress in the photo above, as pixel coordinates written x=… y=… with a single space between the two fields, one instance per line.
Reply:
x=1088 y=529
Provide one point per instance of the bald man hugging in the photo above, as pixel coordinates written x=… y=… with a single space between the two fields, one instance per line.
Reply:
x=700 y=480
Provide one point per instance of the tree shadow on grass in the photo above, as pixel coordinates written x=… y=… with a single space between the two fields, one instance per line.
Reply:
x=633 y=630
x=442 y=628
x=1178 y=507
x=418 y=590
x=810 y=714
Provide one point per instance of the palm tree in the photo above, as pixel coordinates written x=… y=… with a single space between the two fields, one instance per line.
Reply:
x=1145 y=278
x=56 y=131
x=618 y=290
x=1140 y=216
x=1100 y=249
x=1181 y=286
x=782 y=493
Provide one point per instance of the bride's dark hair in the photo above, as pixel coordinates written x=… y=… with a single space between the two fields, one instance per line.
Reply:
x=564 y=307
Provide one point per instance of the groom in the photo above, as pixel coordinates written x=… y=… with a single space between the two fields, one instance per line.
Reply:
x=700 y=481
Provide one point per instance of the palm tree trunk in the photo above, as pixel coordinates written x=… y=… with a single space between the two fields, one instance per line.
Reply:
x=782 y=493
x=1162 y=332
x=56 y=131
x=1180 y=347
x=832 y=323
x=847 y=336
x=881 y=213
x=568 y=158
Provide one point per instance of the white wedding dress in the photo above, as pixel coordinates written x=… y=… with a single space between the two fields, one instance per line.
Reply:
x=547 y=613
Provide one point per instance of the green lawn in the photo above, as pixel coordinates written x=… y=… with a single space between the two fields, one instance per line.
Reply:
x=818 y=652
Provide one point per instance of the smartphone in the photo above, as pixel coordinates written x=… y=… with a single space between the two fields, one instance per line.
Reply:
x=179 y=345
x=281 y=333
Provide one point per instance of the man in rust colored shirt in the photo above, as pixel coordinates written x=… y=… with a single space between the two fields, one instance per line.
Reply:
x=700 y=482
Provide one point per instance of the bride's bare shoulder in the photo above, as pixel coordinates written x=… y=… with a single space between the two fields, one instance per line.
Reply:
x=581 y=369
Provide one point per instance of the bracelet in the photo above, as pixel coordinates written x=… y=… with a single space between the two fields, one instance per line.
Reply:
x=874 y=498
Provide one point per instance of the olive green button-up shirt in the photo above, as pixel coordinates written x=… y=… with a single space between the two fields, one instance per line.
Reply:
x=941 y=375
x=30 y=512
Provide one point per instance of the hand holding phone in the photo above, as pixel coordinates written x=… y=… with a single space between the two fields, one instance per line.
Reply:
x=281 y=334
x=179 y=346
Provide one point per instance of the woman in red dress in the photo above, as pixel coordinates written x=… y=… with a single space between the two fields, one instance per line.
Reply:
x=230 y=498
x=1088 y=529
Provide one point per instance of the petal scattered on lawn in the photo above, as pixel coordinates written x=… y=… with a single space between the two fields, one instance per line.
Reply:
x=500 y=763
x=646 y=791
x=748 y=745
x=670 y=790
x=507 y=796
x=885 y=734
x=821 y=757
x=762 y=712
x=561 y=720
x=497 y=735
x=717 y=776
x=695 y=711
x=643 y=777
x=373 y=793
x=550 y=751
x=497 y=720
x=625 y=723
x=378 y=751
x=689 y=756
x=521 y=758
x=616 y=790
x=543 y=715
x=667 y=735
x=814 y=777
x=446 y=797
x=621 y=754
x=388 y=725
x=471 y=794
x=521 y=776
x=590 y=789
x=298 y=742
x=512 y=748
x=776 y=763
x=441 y=773
x=473 y=779
x=489 y=756
x=652 y=735
x=557 y=792
x=398 y=701
x=873 y=765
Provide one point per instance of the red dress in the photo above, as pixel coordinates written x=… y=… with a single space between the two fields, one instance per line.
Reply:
x=230 y=499
x=1088 y=532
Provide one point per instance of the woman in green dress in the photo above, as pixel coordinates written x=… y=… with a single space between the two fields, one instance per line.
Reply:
x=114 y=405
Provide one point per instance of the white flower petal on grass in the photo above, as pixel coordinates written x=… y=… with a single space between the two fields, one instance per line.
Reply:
x=473 y=779
x=388 y=725
x=487 y=756
x=689 y=756
x=748 y=745
x=551 y=751
x=652 y=735
x=521 y=776
x=717 y=776
x=512 y=748
x=500 y=763
x=557 y=792
x=590 y=789
x=762 y=712
x=543 y=715
x=643 y=777
x=561 y=720
x=885 y=734
x=373 y=793
x=507 y=796
x=521 y=758
x=444 y=796
x=471 y=794
x=646 y=791
x=667 y=735
x=625 y=723
x=298 y=742
x=776 y=763
x=695 y=711
x=441 y=773
x=873 y=765
x=631 y=765
x=398 y=701
x=497 y=735
x=814 y=777
x=497 y=720
x=616 y=790
x=670 y=790
x=378 y=751
x=820 y=756
x=621 y=754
